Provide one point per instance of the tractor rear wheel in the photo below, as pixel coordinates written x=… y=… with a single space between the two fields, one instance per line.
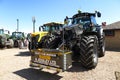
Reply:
x=11 y=43
x=21 y=44
x=89 y=51
x=29 y=46
x=16 y=43
x=102 y=46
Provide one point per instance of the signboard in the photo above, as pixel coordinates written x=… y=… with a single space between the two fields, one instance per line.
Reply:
x=53 y=58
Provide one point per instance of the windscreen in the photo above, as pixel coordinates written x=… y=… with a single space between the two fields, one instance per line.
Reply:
x=51 y=28
x=17 y=34
x=80 y=20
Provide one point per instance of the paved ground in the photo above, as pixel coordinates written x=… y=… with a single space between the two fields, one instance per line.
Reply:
x=14 y=65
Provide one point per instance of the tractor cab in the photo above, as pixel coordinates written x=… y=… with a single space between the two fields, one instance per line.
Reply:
x=49 y=27
x=85 y=19
x=18 y=35
x=5 y=33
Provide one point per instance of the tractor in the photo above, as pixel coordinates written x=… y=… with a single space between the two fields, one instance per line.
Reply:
x=45 y=29
x=5 y=40
x=18 y=38
x=81 y=40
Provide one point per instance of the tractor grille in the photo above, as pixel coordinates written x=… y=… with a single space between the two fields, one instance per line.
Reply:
x=34 y=42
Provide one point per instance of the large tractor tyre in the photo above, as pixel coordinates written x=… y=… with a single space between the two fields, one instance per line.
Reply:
x=11 y=44
x=42 y=42
x=16 y=43
x=89 y=51
x=29 y=46
x=2 y=46
x=52 y=43
x=21 y=44
x=102 y=47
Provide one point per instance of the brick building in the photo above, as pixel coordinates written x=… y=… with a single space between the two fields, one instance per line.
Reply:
x=112 y=36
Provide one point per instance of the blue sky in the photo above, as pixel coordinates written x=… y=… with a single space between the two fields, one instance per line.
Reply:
x=52 y=11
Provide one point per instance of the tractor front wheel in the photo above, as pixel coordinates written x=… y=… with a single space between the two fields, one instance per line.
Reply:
x=89 y=51
x=11 y=43
x=16 y=43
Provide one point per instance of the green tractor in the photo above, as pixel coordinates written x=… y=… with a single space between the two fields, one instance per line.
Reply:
x=18 y=38
x=5 y=40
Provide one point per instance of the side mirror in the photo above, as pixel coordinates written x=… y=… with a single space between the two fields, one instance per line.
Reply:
x=66 y=21
x=103 y=23
x=98 y=14
x=40 y=28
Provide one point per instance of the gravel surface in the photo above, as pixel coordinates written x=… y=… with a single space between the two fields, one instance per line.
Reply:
x=14 y=65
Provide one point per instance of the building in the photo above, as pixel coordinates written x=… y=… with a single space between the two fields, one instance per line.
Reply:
x=112 y=36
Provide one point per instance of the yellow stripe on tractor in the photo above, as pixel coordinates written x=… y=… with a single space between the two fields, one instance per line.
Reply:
x=41 y=34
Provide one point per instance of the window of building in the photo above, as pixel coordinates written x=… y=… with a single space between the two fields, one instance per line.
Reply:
x=109 y=33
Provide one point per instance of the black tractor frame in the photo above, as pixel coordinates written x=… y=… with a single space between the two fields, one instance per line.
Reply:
x=81 y=36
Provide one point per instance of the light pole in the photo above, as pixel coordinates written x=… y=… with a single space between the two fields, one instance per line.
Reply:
x=33 y=20
x=17 y=25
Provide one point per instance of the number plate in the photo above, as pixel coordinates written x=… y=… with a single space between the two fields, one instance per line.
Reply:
x=45 y=57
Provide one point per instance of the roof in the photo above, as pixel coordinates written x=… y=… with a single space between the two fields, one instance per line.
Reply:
x=52 y=24
x=85 y=14
x=113 y=26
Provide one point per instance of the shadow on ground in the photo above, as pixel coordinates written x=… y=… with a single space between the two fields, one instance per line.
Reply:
x=77 y=67
x=2 y=49
x=117 y=75
x=26 y=53
x=115 y=50
x=34 y=74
